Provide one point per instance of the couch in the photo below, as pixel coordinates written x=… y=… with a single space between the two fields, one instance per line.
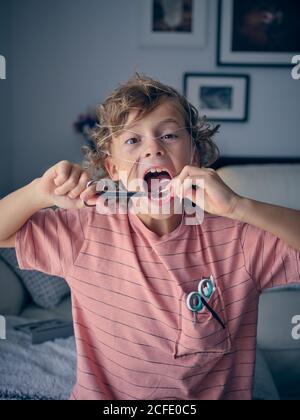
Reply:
x=16 y=301
x=275 y=183
x=278 y=363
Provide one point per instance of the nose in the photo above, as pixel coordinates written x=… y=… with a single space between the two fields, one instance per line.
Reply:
x=153 y=148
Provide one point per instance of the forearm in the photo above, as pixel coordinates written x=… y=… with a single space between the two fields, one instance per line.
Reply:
x=280 y=221
x=18 y=207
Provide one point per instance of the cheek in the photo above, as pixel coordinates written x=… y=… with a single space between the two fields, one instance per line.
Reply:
x=128 y=172
x=183 y=153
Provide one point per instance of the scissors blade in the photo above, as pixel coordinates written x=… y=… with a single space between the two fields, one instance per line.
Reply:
x=121 y=194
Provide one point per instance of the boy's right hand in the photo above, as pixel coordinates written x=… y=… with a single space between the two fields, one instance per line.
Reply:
x=62 y=185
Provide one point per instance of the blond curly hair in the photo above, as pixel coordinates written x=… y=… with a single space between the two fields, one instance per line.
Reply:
x=144 y=94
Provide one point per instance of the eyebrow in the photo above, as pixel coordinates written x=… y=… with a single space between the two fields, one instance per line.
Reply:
x=163 y=122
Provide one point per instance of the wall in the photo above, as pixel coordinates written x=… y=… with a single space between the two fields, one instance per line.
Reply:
x=70 y=54
x=5 y=102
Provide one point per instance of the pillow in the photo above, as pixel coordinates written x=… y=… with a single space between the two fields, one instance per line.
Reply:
x=46 y=291
x=270 y=183
x=275 y=337
x=13 y=295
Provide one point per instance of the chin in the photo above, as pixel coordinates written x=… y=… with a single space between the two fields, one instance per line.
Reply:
x=159 y=209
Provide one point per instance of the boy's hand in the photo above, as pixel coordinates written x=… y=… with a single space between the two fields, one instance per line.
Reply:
x=62 y=185
x=219 y=199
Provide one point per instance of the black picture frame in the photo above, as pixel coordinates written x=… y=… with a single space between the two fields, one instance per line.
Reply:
x=227 y=58
x=233 y=114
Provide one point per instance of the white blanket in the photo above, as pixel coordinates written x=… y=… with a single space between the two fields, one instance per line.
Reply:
x=35 y=372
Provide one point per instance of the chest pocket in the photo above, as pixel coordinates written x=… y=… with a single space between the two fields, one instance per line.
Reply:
x=210 y=333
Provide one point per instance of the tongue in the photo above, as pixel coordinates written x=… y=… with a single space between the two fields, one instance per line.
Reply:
x=157 y=184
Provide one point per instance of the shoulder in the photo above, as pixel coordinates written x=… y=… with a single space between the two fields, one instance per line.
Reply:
x=218 y=230
x=219 y=223
x=110 y=223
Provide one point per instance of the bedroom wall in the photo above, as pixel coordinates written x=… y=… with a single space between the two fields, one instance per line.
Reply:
x=70 y=54
x=5 y=102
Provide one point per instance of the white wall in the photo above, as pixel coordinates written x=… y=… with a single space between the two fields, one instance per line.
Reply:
x=68 y=54
x=5 y=111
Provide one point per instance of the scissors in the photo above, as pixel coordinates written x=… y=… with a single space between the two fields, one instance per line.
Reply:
x=196 y=301
x=123 y=193
x=117 y=194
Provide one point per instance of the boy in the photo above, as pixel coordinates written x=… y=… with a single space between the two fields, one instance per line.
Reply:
x=163 y=309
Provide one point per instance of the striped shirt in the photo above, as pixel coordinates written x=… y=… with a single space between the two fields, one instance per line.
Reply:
x=135 y=335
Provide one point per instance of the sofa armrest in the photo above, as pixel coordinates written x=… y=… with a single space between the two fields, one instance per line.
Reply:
x=13 y=295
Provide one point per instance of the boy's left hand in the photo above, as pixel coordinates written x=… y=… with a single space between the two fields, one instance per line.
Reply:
x=219 y=199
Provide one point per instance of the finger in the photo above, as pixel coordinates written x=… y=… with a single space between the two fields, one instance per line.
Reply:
x=81 y=186
x=178 y=188
x=62 y=172
x=71 y=182
x=193 y=190
x=175 y=185
x=88 y=192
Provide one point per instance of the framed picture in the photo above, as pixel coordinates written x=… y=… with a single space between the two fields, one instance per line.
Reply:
x=258 y=32
x=219 y=97
x=173 y=23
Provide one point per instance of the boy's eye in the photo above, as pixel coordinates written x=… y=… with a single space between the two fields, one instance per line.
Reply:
x=134 y=140
x=131 y=141
x=169 y=136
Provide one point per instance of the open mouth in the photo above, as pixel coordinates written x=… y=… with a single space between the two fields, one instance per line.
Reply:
x=157 y=180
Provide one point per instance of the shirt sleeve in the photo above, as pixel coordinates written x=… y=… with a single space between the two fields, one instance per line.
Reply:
x=269 y=260
x=51 y=240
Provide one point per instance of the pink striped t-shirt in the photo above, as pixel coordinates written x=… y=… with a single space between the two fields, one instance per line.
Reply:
x=135 y=335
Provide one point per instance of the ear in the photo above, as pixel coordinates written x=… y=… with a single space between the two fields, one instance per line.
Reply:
x=112 y=169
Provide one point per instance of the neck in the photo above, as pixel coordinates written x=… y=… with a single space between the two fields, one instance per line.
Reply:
x=161 y=226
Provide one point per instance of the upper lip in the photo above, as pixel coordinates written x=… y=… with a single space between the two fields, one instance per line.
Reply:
x=162 y=166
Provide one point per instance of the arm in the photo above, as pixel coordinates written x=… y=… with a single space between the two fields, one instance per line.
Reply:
x=280 y=221
x=220 y=200
x=63 y=185
x=15 y=210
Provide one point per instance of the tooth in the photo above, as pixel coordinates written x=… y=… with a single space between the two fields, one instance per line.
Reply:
x=153 y=171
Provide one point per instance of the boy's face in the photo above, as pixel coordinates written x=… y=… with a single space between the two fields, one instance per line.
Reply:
x=159 y=141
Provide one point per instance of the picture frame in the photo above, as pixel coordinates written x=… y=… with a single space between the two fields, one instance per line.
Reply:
x=253 y=33
x=173 y=23
x=219 y=97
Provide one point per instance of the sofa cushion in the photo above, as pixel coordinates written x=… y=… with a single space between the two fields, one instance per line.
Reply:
x=278 y=337
x=61 y=311
x=46 y=291
x=270 y=183
x=13 y=295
